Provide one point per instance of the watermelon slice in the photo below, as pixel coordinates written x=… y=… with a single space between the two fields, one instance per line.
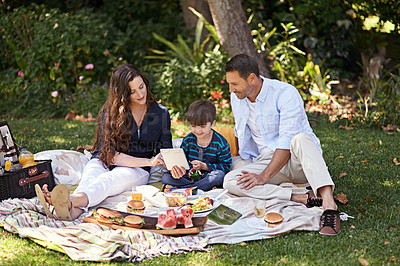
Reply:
x=191 y=191
x=187 y=212
x=171 y=213
x=187 y=222
x=166 y=222
x=180 y=220
x=187 y=215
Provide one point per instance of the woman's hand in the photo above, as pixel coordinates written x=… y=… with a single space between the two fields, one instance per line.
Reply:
x=177 y=172
x=156 y=160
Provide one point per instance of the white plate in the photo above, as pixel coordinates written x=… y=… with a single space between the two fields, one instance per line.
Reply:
x=182 y=190
x=216 y=204
x=259 y=223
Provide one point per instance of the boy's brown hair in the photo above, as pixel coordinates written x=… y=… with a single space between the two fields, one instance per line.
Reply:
x=201 y=112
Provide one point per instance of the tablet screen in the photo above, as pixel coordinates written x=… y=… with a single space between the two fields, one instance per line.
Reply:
x=174 y=157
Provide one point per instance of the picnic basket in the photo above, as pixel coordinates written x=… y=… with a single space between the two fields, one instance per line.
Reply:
x=21 y=183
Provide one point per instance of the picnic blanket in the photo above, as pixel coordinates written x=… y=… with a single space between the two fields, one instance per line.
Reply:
x=92 y=242
x=296 y=217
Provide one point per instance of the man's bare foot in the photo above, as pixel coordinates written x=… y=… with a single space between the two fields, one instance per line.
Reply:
x=300 y=198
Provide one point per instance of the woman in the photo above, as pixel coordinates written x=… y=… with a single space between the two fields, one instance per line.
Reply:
x=131 y=129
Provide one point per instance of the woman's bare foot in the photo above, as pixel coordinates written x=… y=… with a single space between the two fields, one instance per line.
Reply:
x=46 y=194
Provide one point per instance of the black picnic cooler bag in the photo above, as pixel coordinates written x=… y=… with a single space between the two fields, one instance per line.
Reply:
x=21 y=183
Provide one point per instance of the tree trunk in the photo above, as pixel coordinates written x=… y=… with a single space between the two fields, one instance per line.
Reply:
x=191 y=19
x=233 y=31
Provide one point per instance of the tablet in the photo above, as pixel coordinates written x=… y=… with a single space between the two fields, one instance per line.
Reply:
x=174 y=157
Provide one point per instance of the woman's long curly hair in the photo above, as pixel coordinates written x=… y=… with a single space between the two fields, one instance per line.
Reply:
x=114 y=121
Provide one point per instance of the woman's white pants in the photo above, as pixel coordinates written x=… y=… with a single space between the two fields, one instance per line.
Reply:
x=98 y=182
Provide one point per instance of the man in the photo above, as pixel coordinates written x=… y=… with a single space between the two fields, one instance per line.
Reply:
x=276 y=142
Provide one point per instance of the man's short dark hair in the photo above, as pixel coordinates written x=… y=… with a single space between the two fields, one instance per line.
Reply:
x=244 y=64
x=201 y=112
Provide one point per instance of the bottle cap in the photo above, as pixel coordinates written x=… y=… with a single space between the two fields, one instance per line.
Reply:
x=7 y=167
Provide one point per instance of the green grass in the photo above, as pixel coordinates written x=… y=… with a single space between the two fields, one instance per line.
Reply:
x=372 y=187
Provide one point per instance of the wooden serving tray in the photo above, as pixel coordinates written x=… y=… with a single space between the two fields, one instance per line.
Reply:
x=150 y=225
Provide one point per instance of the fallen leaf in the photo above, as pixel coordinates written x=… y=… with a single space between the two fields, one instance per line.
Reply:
x=386 y=243
x=352 y=227
x=342 y=198
x=70 y=115
x=369 y=199
x=242 y=243
x=364 y=161
x=396 y=162
x=359 y=216
x=363 y=261
x=90 y=117
x=345 y=127
x=342 y=175
x=84 y=147
x=390 y=127
x=339 y=157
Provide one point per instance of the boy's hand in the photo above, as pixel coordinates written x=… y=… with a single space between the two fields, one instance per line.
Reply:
x=177 y=172
x=192 y=171
x=198 y=165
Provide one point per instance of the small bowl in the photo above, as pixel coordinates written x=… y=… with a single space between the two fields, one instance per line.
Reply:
x=175 y=199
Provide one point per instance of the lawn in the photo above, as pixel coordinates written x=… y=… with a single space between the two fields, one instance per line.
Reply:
x=361 y=162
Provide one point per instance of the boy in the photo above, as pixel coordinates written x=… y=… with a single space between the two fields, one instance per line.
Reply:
x=207 y=151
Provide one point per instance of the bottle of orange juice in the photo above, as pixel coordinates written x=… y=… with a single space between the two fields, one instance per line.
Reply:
x=26 y=158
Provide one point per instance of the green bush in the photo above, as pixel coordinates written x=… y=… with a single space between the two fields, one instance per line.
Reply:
x=289 y=63
x=48 y=54
x=192 y=71
x=134 y=22
x=178 y=84
x=381 y=105
x=327 y=30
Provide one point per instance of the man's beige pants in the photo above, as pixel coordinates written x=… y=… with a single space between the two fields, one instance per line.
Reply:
x=306 y=164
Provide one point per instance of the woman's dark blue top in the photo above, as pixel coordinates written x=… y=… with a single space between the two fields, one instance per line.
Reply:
x=155 y=133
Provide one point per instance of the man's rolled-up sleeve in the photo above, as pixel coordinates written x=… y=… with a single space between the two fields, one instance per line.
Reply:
x=291 y=109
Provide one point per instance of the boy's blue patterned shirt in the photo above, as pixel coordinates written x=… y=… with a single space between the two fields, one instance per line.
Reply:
x=217 y=155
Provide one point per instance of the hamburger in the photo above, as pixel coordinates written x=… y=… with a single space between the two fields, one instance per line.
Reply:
x=135 y=206
x=134 y=221
x=273 y=219
x=107 y=216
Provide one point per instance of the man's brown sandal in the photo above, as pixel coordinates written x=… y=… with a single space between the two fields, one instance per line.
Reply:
x=330 y=223
x=313 y=202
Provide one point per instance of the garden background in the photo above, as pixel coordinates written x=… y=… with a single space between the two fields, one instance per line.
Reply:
x=342 y=56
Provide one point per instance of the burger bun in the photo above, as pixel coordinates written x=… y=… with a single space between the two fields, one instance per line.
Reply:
x=134 y=221
x=106 y=216
x=273 y=219
x=135 y=206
